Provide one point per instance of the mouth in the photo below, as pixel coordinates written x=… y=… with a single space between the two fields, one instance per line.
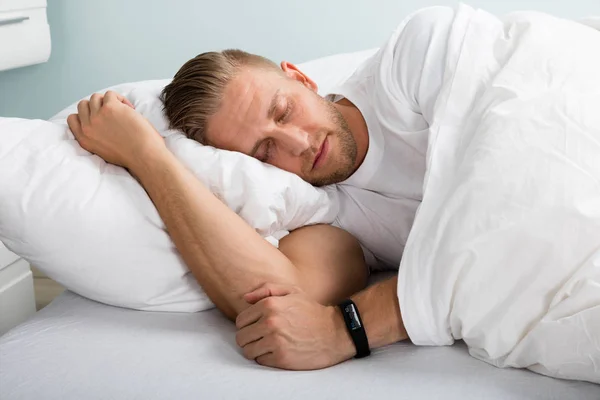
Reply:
x=321 y=155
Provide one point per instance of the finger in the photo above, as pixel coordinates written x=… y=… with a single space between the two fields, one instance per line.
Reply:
x=256 y=349
x=268 y=360
x=95 y=103
x=83 y=109
x=251 y=333
x=267 y=290
x=127 y=102
x=249 y=316
x=111 y=96
x=74 y=125
x=256 y=295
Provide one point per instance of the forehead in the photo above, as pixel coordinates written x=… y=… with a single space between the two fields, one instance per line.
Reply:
x=242 y=113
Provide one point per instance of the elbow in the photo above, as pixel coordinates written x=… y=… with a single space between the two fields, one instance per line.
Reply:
x=230 y=313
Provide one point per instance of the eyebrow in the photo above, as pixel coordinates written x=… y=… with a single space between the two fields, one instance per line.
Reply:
x=272 y=108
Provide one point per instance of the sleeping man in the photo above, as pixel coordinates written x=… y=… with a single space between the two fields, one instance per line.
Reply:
x=369 y=137
x=304 y=305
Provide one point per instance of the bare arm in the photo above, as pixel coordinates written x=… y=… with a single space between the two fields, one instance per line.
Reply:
x=227 y=257
x=330 y=261
x=224 y=253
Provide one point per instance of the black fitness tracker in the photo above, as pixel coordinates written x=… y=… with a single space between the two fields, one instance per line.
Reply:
x=355 y=328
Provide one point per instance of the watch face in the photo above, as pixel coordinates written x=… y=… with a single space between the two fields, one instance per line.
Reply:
x=354 y=321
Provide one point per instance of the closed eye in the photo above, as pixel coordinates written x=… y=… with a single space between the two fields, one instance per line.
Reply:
x=286 y=114
x=265 y=152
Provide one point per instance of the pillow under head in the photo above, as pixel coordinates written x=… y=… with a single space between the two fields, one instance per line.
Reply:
x=90 y=226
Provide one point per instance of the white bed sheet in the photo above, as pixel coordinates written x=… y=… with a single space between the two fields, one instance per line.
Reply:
x=79 y=349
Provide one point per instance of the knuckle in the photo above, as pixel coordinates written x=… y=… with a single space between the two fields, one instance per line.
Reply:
x=270 y=303
x=271 y=322
x=247 y=354
x=108 y=109
x=238 y=339
x=108 y=105
x=240 y=321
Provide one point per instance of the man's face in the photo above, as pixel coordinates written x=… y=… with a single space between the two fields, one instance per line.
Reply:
x=281 y=120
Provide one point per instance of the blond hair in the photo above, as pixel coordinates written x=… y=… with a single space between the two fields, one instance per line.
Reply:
x=196 y=91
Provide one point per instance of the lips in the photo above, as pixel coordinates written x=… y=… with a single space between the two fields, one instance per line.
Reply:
x=320 y=157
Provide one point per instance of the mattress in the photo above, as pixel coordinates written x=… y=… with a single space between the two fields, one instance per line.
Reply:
x=79 y=349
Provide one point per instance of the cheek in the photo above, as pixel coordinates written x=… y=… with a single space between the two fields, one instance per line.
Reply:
x=312 y=115
x=286 y=162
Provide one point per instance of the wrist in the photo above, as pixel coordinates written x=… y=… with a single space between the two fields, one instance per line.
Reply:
x=148 y=159
x=344 y=344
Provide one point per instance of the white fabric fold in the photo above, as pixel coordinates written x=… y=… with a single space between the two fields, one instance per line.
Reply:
x=505 y=250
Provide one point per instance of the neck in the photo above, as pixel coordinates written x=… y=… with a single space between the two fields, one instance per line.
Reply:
x=358 y=128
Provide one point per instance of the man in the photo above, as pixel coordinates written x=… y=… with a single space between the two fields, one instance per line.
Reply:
x=369 y=137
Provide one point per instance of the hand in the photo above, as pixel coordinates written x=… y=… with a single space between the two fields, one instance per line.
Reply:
x=286 y=329
x=109 y=126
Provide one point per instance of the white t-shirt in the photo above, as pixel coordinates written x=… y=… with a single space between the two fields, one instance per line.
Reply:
x=395 y=90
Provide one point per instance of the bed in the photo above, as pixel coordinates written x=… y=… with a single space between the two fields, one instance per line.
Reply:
x=76 y=348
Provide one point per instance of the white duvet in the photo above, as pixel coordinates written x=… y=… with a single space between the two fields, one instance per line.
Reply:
x=505 y=249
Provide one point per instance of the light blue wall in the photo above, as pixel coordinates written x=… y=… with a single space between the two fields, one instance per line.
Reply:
x=98 y=43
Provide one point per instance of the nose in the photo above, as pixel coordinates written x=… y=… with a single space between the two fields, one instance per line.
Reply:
x=294 y=140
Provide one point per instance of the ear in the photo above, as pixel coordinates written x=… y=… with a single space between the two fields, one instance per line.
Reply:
x=294 y=73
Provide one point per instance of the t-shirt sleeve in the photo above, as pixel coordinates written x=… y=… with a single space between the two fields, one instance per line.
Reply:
x=419 y=48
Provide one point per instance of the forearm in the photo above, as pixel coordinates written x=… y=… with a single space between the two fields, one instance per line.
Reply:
x=380 y=313
x=227 y=256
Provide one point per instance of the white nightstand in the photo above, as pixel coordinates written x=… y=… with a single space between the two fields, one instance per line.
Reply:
x=17 y=298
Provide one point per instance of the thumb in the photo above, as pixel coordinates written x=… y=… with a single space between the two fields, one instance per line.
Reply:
x=268 y=290
x=125 y=101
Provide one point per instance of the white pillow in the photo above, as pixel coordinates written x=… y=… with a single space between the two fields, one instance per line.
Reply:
x=91 y=227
